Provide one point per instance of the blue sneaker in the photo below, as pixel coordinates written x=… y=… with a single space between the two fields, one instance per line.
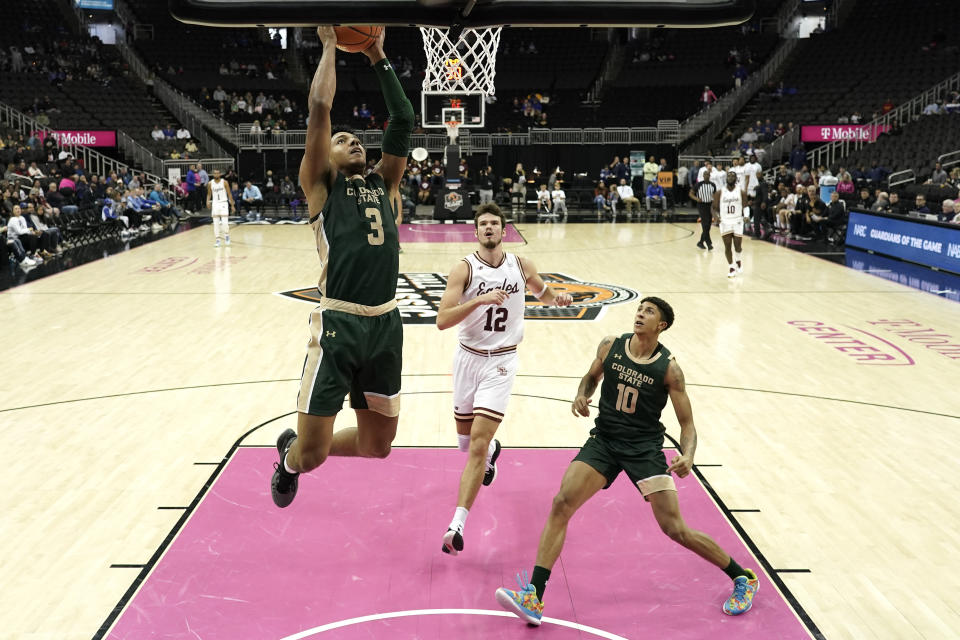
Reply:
x=523 y=603
x=744 y=589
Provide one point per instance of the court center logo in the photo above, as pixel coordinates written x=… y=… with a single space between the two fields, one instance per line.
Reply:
x=418 y=297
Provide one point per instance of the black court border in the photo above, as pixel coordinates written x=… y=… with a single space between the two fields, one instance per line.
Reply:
x=145 y=569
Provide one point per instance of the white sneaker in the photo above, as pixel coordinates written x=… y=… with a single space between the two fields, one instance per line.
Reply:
x=228 y=241
x=27 y=262
x=217 y=244
x=732 y=273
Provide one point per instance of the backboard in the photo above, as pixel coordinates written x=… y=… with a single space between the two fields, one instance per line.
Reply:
x=481 y=13
x=433 y=106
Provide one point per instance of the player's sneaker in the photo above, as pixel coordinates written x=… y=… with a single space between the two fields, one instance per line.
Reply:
x=744 y=590
x=491 y=473
x=523 y=603
x=739 y=267
x=283 y=485
x=228 y=241
x=452 y=542
x=732 y=273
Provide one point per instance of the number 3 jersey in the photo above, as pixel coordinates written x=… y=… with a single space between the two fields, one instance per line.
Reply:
x=358 y=243
x=490 y=327
x=633 y=394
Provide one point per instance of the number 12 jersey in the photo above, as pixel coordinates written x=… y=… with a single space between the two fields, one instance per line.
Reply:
x=490 y=327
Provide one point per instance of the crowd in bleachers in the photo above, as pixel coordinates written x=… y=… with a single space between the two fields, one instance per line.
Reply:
x=50 y=202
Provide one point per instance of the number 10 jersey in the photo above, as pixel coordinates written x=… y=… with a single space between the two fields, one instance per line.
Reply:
x=490 y=327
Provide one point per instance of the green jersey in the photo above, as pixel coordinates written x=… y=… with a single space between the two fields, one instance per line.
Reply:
x=633 y=394
x=358 y=243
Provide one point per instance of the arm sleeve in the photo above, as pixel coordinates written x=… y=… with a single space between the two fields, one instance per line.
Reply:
x=396 y=139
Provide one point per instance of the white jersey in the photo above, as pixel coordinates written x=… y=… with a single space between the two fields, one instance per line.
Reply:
x=731 y=205
x=740 y=170
x=218 y=191
x=491 y=327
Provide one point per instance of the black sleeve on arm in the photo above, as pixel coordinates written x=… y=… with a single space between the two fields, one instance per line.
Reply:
x=396 y=139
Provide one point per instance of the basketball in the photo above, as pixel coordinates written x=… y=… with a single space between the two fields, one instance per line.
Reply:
x=356 y=39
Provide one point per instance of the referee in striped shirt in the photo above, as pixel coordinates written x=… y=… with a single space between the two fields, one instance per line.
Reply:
x=702 y=194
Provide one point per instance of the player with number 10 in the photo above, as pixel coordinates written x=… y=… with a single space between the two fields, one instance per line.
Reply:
x=485 y=295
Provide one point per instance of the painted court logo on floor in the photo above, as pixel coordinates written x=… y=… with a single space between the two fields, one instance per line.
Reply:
x=418 y=297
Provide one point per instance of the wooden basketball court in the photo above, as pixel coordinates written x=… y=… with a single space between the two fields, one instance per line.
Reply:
x=824 y=400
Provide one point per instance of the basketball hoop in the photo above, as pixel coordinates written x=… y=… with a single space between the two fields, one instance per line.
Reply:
x=467 y=65
x=451 y=126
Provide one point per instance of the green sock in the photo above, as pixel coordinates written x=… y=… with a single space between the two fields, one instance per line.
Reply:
x=539 y=580
x=734 y=570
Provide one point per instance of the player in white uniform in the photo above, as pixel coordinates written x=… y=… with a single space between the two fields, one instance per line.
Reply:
x=220 y=203
x=728 y=204
x=485 y=296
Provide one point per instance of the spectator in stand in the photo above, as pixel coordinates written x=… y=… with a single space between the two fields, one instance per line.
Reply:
x=252 y=200
x=784 y=209
x=34 y=171
x=760 y=205
x=896 y=207
x=798 y=157
x=543 y=200
x=288 y=190
x=518 y=192
x=631 y=203
x=167 y=210
x=650 y=170
x=190 y=147
x=656 y=197
x=601 y=200
x=882 y=203
x=157 y=133
x=846 y=188
x=947 y=211
x=939 y=176
x=836 y=216
x=707 y=97
x=194 y=195
x=49 y=236
x=877 y=174
x=559 y=199
x=18 y=230
x=619 y=170
x=920 y=204
x=932 y=109
x=865 y=201
x=887 y=106
x=169 y=133
x=485 y=184
x=183 y=133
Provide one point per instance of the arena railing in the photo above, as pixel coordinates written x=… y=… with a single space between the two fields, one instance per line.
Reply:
x=832 y=152
x=91 y=160
x=666 y=133
x=898 y=178
x=949 y=159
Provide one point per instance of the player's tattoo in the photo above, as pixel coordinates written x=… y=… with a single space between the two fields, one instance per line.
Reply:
x=677 y=381
x=604 y=346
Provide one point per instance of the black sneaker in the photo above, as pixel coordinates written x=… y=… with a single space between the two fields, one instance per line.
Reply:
x=700 y=245
x=283 y=485
x=491 y=473
x=452 y=542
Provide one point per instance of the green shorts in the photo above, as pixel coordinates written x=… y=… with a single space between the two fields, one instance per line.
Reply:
x=359 y=355
x=644 y=464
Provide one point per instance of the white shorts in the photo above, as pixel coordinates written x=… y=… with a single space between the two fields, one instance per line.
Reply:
x=220 y=209
x=731 y=226
x=482 y=384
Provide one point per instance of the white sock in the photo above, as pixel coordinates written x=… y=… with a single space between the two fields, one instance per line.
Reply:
x=463 y=442
x=490 y=450
x=459 y=520
x=287 y=466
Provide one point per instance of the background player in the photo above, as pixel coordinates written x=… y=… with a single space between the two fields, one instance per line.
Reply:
x=221 y=205
x=485 y=296
x=356 y=334
x=728 y=204
x=638 y=374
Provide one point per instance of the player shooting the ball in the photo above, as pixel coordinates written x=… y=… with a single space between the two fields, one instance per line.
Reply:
x=356 y=334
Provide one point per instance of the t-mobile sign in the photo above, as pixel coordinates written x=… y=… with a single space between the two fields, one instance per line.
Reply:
x=84 y=138
x=851 y=132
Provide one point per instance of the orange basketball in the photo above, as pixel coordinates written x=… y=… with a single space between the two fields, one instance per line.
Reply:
x=356 y=39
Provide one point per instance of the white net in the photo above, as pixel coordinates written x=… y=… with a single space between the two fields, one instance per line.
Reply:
x=469 y=64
